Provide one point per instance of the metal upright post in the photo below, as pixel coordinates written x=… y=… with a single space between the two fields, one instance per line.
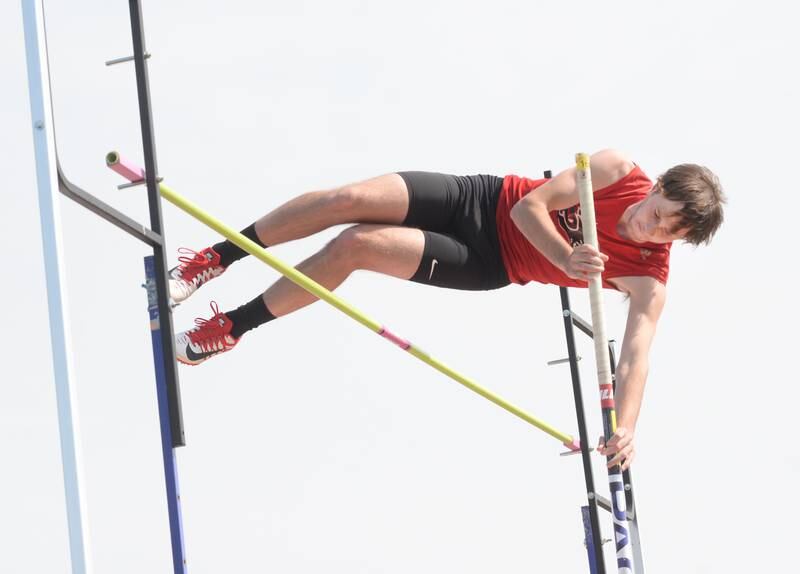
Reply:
x=167 y=450
x=596 y=542
x=151 y=169
x=596 y=539
x=50 y=217
x=169 y=400
x=588 y=539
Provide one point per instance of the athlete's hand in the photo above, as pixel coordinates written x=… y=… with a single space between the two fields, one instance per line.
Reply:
x=583 y=261
x=621 y=446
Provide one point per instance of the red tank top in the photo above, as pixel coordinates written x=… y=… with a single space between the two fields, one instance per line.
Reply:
x=524 y=263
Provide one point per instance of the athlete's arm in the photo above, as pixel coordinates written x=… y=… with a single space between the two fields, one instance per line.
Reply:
x=647 y=297
x=531 y=213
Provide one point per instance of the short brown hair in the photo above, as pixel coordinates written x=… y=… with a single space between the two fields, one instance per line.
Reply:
x=700 y=192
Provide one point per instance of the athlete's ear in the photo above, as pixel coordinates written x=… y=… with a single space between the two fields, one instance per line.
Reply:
x=680 y=232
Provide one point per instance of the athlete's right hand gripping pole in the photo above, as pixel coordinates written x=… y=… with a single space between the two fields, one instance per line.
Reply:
x=618 y=503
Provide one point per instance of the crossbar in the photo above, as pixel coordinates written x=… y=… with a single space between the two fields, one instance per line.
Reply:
x=133 y=173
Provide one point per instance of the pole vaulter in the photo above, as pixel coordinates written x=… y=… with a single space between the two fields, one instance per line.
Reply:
x=604 y=376
x=134 y=173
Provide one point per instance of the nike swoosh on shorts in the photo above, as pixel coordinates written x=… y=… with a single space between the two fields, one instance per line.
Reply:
x=433 y=266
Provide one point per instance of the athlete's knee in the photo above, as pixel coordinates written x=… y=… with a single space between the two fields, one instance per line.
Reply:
x=349 y=198
x=356 y=246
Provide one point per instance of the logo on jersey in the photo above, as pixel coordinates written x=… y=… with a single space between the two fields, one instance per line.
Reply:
x=570 y=221
x=645 y=253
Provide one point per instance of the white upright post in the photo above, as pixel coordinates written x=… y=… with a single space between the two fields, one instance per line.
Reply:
x=47 y=183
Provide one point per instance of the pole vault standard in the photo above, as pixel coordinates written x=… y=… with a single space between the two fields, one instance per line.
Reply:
x=49 y=214
x=604 y=374
x=134 y=173
x=50 y=178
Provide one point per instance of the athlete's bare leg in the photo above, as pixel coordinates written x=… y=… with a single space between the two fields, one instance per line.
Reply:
x=381 y=245
x=382 y=199
x=386 y=249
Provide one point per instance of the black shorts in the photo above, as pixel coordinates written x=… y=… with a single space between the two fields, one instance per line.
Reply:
x=457 y=215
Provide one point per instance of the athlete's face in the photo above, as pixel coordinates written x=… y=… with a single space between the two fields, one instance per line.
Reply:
x=652 y=220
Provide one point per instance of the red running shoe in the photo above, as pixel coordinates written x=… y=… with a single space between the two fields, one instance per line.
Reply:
x=194 y=270
x=210 y=337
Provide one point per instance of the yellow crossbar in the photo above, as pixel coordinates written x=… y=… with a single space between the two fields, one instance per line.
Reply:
x=135 y=173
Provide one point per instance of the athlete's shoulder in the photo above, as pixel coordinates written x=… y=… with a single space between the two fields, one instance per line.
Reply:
x=609 y=166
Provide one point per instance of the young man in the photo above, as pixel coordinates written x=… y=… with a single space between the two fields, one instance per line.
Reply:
x=480 y=233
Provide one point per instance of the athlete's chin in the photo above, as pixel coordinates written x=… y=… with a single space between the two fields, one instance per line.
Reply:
x=627 y=235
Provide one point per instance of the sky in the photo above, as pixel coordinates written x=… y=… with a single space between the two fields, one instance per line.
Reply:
x=316 y=446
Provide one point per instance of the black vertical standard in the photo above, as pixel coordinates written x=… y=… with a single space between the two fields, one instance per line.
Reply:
x=597 y=541
x=154 y=200
x=581 y=415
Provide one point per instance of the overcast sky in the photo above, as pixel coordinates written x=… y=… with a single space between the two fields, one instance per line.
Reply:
x=317 y=447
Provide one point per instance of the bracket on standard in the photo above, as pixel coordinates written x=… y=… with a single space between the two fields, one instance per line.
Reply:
x=116 y=61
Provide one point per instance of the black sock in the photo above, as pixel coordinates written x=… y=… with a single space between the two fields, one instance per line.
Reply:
x=230 y=253
x=249 y=316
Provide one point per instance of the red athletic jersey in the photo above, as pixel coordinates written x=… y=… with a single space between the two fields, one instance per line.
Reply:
x=524 y=263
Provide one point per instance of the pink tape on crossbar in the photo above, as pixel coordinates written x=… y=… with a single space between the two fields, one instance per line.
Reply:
x=128 y=170
x=574 y=446
x=387 y=334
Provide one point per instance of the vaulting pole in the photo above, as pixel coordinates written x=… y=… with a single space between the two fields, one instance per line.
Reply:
x=133 y=173
x=604 y=374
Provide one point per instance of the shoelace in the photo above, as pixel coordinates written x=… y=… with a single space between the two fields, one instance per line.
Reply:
x=208 y=332
x=192 y=263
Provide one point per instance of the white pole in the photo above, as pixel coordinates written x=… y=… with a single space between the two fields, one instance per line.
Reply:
x=604 y=377
x=47 y=182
